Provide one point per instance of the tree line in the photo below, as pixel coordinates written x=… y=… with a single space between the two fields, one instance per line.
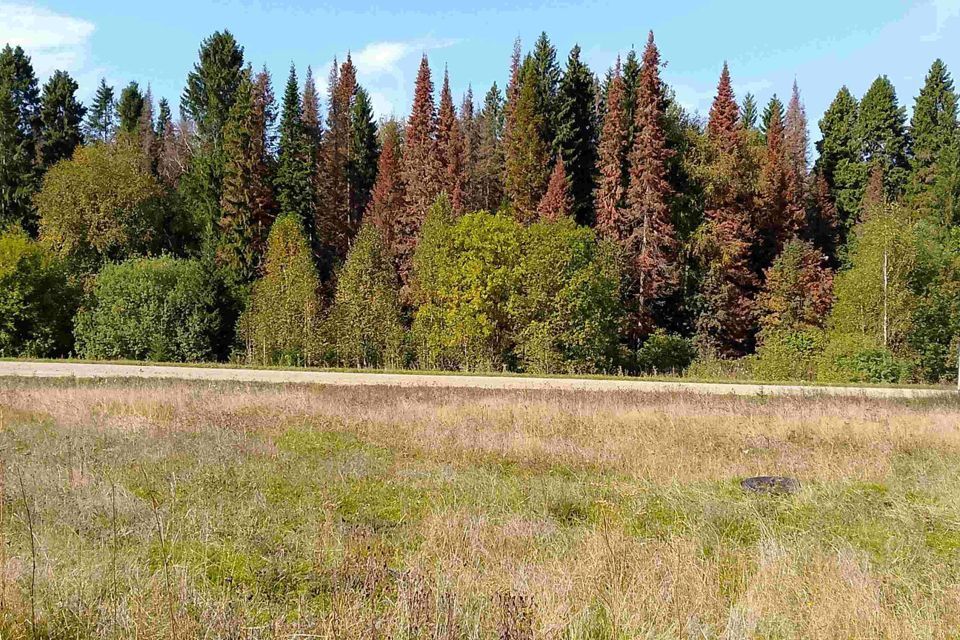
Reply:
x=571 y=222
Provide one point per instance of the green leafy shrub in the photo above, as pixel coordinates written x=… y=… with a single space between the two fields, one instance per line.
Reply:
x=365 y=322
x=150 y=309
x=788 y=355
x=665 y=353
x=36 y=303
x=856 y=358
x=566 y=307
x=464 y=276
x=282 y=322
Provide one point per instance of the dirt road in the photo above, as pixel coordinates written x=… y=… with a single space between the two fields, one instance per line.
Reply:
x=96 y=370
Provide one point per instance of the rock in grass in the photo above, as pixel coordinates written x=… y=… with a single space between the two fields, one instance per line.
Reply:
x=770 y=485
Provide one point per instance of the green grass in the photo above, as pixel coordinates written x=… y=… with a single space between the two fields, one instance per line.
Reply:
x=336 y=527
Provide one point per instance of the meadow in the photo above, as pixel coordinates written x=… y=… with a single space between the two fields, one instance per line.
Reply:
x=162 y=509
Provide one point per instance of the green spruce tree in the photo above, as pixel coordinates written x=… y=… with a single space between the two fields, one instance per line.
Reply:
x=62 y=118
x=576 y=134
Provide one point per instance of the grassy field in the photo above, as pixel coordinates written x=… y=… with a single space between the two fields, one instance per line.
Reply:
x=181 y=510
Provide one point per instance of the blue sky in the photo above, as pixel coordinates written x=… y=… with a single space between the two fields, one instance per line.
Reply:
x=820 y=43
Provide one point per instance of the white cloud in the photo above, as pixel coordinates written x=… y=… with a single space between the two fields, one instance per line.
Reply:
x=382 y=68
x=53 y=40
x=943 y=12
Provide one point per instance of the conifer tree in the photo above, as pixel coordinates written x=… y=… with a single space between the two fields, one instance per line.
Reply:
x=61 y=116
x=20 y=135
x=557 y=203
x=295 y=168
x=206 y=101
x=646 y=231
x=387 y=201
x=881 y=131
x=610 y=194
x=748 y=112
x=576 y=133
x=934 y=123
x=773 y=105
x=545 y=76
x=840 y=161
x=726 y=326
x=248 y=204
x=335 y=219
x=364 y=152
x=147 y=132
x=795 y=144
x=526 y=151
x=101 y=116
x=130 y=108
x=490 y=160
x=631 y=81
x=774 y=225
x=470 y=126
x=420 y=167
x=212 y=85
x=450 y=148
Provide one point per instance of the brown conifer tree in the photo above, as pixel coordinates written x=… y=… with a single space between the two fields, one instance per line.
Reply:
x=557 y=202
x=727 y=326
x=335 y=226
x=450 y=148
x=419 y=168
x=388 y=199
x=646 y=230
x=612 y=152
x=795 y=150
x=470 y=127
x=773 y=221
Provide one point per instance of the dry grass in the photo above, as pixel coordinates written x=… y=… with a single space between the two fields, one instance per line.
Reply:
x=180 y=510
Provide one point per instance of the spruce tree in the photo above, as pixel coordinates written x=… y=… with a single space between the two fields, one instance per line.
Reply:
x=881 y=131
x=212 y=85
x=364 y=153
x=20 y=131
x=130 y=108
x=557 y=203
x=490 y=160
x=646 y=232
x=795 y=142
x=147 y=133
x=206 y=100
x=840 y=161
x=526 y=151
x=387 y=201
x=420 y=168
x=16 y=73
x=470 y=126
x=631 y=81
x=61 y=116
x=101 y=116
x=248 y=204
x=773 y=225
x=774 y=106
x=295 y=167
x=934 y=123
x=450 y=148
x=576 y=133
x=726 y=326
x=748 y=112
x=336 y=221
x=545 y=76
x=609 y=196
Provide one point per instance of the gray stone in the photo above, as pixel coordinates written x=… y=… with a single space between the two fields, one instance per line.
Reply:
x=771 y=485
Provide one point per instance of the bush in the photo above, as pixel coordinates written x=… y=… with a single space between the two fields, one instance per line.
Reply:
x=36 y=303
x=566 y=307
x=464 y=276
x=151 y=309
x=365 y=323
x=788 y=355
x=282 y=322
x=856 y=358
x=665 y=353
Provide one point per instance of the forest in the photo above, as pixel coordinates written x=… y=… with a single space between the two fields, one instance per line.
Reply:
x=573 y=221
